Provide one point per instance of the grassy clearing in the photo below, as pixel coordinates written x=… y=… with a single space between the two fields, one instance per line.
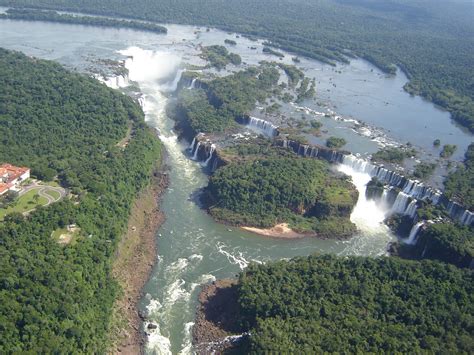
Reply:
x=54 y=194
x=65 y=235
x=25 y=203
x=51 y=183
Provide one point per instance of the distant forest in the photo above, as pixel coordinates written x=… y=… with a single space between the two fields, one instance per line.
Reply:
x=53 y=16
x=433 y=42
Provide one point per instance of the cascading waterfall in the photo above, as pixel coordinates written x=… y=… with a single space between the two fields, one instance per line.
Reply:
x=413 y=233
x=191 y=146
x=401 y=203
x=268 y=128
x=411 y=209
x=196 y=151
x=367 y=215
x=193 y=84
x=467 y=218
x=211 y=154
x=409 y=189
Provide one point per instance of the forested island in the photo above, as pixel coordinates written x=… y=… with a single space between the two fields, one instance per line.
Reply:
x=419 y=39
x=58 y=298
x=459 y=184
x=302 y=192
x=219 y=103
x=219 y=57
x=53 y=16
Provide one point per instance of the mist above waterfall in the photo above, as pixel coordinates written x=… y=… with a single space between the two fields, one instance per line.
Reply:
x=150 y=66
x=367 y=215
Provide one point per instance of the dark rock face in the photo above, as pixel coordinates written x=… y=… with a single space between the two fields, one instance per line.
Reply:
x=152 y=326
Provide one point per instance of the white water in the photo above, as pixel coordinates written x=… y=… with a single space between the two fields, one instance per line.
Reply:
x=211 y=153
x=158 y=72
x=413 y=233
x=367 y=215
x=195 y=156
x=262 y=126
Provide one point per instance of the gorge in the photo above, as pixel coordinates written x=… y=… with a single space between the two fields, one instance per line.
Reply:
x=192 y=248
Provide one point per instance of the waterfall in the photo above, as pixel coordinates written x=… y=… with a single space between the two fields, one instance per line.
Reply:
x=196 y=151
x=413 y=233
x=262 y=126
x=141 y=101
x=214 y=165
x=400 y=204
x=211 y=154
x=411 y=209
x=193 y=84
x=191 y=146
x=122 y=81
x=367 y=215
x=409 y=188
x=467 y=218
x=424 y=252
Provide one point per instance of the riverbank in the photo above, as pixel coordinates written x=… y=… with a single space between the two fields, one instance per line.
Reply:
x=215 y=327
x=278 y=231
x=135 y=258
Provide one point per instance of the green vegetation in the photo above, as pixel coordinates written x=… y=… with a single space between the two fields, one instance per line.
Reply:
x=219 y=57
x=424 y=170
x=436 y=142
x=299 y=191
x=432 y=44
x=445 y=242
x=230 y=42
x=315 y=126
x=393 y=155
x=448 y=150
x=58 y=298
x=54 y=194
x=321 y=304
x=52 y=16
x=335 y=142
x=294 y=74
x=226 y=99
x=306 y=91
x=66 y=236
x=374 y=188
x=24 y=203
x=271 y=51
x=460 y=184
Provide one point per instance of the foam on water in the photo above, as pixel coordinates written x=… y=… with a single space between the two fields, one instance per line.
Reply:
x=234 y=259
x=367 y=215
x=187 y=339
x=157 y=343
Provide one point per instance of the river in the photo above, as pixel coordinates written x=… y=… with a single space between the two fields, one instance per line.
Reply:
x=192 y=248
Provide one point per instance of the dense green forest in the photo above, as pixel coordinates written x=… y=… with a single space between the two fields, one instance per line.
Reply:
x=460 y=184
x=446 y=242
x=219 y=57
x=393 y=155
x=432 y=41
x=320 y=304
x=58 y=298
x=225 y=99
x=300 y=191
x=53 y=16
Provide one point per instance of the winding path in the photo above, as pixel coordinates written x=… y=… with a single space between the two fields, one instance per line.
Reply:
x=43 y=192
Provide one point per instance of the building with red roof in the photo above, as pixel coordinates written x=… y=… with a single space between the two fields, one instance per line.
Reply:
x=11 y=177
